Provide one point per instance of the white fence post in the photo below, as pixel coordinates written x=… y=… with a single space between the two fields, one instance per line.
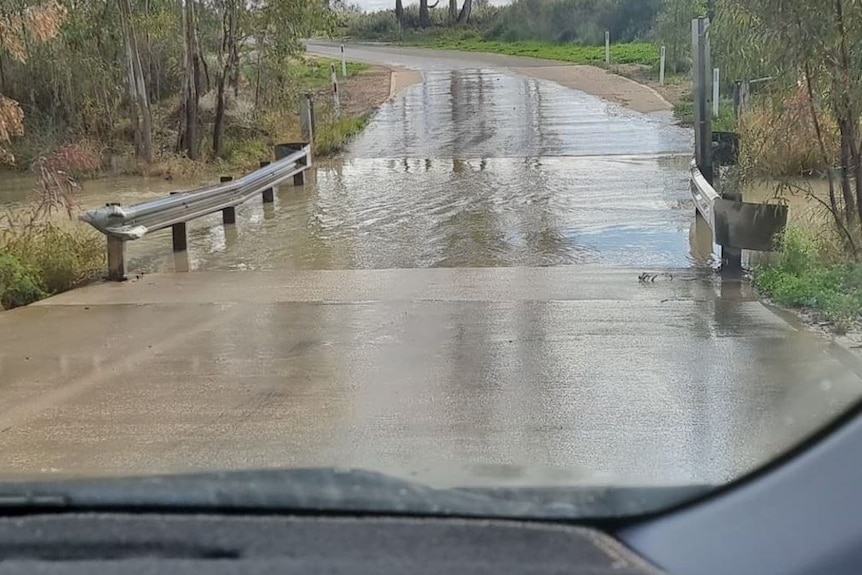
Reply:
x=607 y=46
x=662 y=61
x=307 y=118
x=343 y=63
x=715 y=92
x=335 y=100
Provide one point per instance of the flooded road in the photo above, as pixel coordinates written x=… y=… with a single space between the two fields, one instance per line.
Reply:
x=471 y=168
x=456 y=300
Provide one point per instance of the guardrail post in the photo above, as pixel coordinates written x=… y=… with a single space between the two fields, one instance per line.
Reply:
x=268 y=195
x=228 y=215
x=179 y=234
x=299 y=177
x=116 y=259
x=180 y=237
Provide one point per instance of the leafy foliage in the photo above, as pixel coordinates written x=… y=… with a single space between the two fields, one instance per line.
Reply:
x=76 y=87
x=19 y=283
x=800 y=279
x=39 y=23
x=550 y=21
x=45 y=254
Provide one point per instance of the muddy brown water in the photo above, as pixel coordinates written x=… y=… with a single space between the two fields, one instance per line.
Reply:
x=471 y=168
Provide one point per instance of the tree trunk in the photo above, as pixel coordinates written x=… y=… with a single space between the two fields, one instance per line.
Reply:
x=228 y=63
x=218 y=125
x=466 y=9
x=142 y=118
x=847 y=117
x=847 y=168
x=453 y=11
x=188 y=134
x=399 y=12
x=424 y=17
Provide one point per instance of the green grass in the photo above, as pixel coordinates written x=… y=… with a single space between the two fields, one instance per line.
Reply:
x=636 y=53
x=726 y=121
x=45 y=259
x=19 y=283
x=315 y=74
x=333 y=135
x=801 y=279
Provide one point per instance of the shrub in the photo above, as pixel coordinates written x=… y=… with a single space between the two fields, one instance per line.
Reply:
x=62 y=257
x=19 y=284
x=800 y=278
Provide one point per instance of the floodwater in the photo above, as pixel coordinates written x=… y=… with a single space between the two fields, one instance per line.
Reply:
x=471 y=168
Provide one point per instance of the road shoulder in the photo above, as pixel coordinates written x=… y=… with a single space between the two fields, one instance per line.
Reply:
x=603 y=84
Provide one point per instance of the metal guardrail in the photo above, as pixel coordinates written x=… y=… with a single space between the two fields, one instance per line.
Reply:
x=125 y=223
x=735 y=224
x=704 y=196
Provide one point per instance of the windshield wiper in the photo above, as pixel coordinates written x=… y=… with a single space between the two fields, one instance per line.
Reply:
x=326 y=490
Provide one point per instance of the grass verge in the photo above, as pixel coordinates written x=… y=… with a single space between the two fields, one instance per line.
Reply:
x=43 y=250
x=334 y=134
x=683 y=111
x=802 y=278
x=635 y=53
x=46 y=260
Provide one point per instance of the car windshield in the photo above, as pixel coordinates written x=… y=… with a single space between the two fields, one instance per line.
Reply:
x=525 y=251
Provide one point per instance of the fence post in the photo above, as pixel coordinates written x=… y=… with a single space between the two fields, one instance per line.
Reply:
x=607 y=46
x=268 y=195
x=335 y=100
x=343 y=63
x=228 y=215
x=662 y=61
x=716 y=77
x=116 y=259
x=306 y=118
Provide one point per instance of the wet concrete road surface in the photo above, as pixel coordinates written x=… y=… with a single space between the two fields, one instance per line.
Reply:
x=569 y=374
x=456 y=301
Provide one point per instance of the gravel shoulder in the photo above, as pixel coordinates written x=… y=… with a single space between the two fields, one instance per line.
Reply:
x=364 y=92
x=603 y=84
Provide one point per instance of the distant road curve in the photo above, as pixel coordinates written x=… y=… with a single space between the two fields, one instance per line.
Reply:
x=589 y=79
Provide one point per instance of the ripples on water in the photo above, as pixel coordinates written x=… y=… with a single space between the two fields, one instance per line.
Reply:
x=402 y=213
x=470 y=168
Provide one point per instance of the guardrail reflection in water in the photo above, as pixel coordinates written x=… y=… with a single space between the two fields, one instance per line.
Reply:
x=733 y=223
x=126 y=223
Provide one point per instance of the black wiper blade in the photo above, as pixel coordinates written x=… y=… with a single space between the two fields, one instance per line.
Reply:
x=326 y=490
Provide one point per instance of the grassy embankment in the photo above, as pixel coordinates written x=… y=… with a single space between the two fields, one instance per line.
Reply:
x=814 y=277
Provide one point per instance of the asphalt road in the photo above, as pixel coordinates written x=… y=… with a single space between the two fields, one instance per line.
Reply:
x=456 y=301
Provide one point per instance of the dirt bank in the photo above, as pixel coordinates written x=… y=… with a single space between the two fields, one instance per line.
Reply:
x=601 y=83
x=366 y=91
